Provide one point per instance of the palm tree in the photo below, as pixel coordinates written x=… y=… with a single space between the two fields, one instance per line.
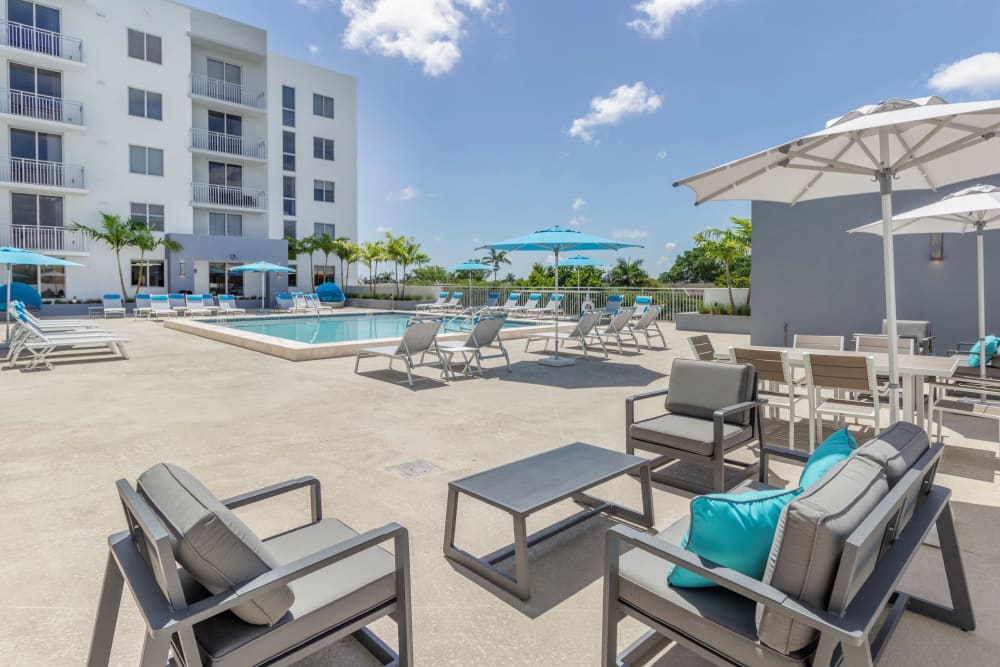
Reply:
x=327 y=245
x=407 y=253
x=726 y=246
x=393 y=251
x=629 y=273
x=117 y=233
x=353 y=257
x=147 y=242
x=307 y=246
x=343 y=252
x=496 y=258
x=372 y=252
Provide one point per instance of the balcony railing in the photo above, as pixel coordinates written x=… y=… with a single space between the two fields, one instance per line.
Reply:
x=227 y=92
x=230 y=144
x=30 y=38
x=30 y=237
x=225 y=195
x=40 y=172
x=43 y=107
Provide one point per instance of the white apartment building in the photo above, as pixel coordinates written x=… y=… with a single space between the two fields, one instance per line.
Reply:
x=155 y=110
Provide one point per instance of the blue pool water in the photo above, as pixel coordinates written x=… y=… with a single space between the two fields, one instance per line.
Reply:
x=340 y=328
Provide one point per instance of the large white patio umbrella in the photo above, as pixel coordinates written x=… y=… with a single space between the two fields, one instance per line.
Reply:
x=975 y=209
x=12 y=256
x=555 y=240
x=897 y=144
x=262 y=268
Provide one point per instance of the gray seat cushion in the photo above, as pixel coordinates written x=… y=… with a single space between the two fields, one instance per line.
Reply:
x=896 y=449
x=699 y=388
x=712 y=616
x=690 y=434
x=323 y=600
x=211 y=542
x=809 y=542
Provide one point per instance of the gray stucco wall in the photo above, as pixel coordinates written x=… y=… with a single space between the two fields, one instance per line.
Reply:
x=812 y=276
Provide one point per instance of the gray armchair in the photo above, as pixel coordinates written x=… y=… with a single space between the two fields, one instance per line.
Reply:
x=213 y=594
x=711 y=409
x=918 y=330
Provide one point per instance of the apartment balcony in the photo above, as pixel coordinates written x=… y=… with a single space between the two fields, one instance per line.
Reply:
x=230 y=145
x=228 y=94
x=41 y=108
x=41 y=176
x=206 y=195
x=63 y=240
x=45 y=43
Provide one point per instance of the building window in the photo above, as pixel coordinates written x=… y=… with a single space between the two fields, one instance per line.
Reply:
x=322 y=105
x=292 y=277
x=41 y=21
x=225 y=224
x=322 y=274
x=288 y=150
x=50 y=281
x=223 y=280
x=29 y=145
x=151 y=270
x=288 y=194
x=35 y=81
x=145 y=47
x=328 y=228
x=144 y=160
x=290 y=231
x=322 y=148
x=145 y=104
x=148 y=214
x=225 y=123
x=323 y=191
x=288 y=106
x=36 y=222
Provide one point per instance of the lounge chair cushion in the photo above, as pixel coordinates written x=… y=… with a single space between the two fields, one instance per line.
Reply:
x=699 y=388
x=733 y=529
x=690 y=434
x=809 y=542
x=211 y=542
x=323 y=600
x=896 y=449
x=713 y=616
x=838 y=446
x=991 y=343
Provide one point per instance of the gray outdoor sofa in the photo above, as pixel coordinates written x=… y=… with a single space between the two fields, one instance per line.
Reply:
x=830 y=594
x=711 y=410
x=272 y=601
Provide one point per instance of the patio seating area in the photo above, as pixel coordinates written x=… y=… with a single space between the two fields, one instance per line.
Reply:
x=356 y=434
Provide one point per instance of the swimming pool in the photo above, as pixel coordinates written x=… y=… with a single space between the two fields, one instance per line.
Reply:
x=346 y=328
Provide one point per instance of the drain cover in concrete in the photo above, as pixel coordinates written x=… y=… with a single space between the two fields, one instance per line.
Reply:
x=414 y=469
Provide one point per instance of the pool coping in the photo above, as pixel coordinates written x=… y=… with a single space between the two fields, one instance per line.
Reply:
x=298 y=351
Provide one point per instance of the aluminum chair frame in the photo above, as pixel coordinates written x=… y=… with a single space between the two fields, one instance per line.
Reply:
x=836 y=406
x=702 y=348
x=227 y=305
x=484 y=335
x=616 y=328
x=160 y=305
x=773 y=367
x=818 y=342
x=113 y=304
x=648 y=321
x=581 y=333
x=419 y=337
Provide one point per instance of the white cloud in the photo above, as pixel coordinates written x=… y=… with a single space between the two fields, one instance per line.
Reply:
x=669 y=245
x=661 y=155
x=421 y=31
x=629 y=234
x=405 y=194
x=976 y=74
x=622 y=101
x=578 y=203
x=656 y=15
x=381 y=230
x=314 y=49
x=577 y=220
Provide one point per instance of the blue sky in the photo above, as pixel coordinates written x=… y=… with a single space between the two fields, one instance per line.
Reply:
x=479 y=120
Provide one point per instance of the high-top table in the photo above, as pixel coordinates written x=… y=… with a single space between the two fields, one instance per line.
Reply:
x=913 y=368
x=523 y=487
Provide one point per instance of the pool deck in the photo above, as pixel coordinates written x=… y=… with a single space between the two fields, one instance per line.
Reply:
x=292 y=350
x=240 y=420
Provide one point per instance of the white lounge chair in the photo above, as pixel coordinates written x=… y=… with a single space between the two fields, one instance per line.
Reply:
x=178 y=303
x=418 y=338
x=285 y=302
x=142 y=306
x=485 y=334
x=160 y=306
x=453 y=304
x=581 y=333
x=441 y=300
x=40 y=344
x=208 y=303
x=611 y=306
x=227 y=305
x=642 y=306
x=529 y=308
x=313 y=303
x=55 y=325
x=194 y=305
x=553 y=307
x=618 y=330
x=510 y=304
x=648 y=325
x=112 y=304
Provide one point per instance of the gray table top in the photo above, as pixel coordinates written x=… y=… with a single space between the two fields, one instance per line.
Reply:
x=538 y=481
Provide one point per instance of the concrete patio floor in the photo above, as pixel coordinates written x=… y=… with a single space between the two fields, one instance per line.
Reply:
x=240 y=420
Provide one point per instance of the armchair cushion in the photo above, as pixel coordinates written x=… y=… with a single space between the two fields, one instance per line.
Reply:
x=211 y=542
x=713 y=616
x=991 y=343
x=699 y=388
x=838 y=446
x=896 y=449
x=691 y=434
x=809 y=542
x=733 y=529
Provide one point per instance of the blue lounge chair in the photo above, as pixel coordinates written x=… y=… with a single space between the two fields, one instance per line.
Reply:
x=441 y=300
x=113 y=305
x=143 y=307
x=227 y=305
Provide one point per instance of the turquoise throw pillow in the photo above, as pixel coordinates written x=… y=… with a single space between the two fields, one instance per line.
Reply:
x=733 y=529
x=992 y=343
x=834 y=449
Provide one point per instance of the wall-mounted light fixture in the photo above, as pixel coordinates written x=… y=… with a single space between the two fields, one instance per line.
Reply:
x=180 y=272
x=937 y=247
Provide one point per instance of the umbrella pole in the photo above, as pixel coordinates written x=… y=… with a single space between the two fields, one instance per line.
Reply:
x=557 y=360
x=884 y=177
x=262 y=292
x=10 y=273
x=982 y=300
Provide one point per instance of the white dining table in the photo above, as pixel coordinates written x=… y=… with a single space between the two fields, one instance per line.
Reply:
x=913 y=368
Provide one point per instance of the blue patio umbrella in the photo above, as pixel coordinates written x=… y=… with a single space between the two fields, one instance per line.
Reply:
x=470 y=266
x=12 y=256
x=555 y=240
x=261 y=268
x=580 y=260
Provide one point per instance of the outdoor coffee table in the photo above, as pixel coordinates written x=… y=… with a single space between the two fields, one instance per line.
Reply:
x=526 y=486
